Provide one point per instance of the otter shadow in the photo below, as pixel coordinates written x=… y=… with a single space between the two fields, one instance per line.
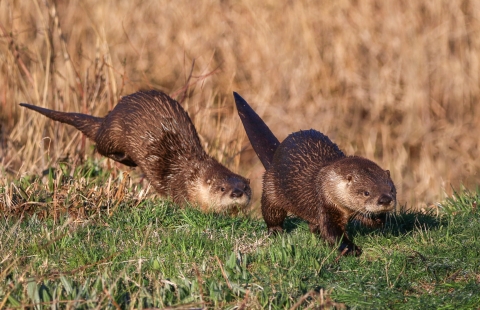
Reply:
x=398 y=224
x=395 y=224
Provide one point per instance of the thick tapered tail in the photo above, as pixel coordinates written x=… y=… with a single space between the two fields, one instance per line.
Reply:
x=87 y=124
x=263 y=141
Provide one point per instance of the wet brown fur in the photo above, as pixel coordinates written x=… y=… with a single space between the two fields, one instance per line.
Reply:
x=309 y=176
x=151 y=130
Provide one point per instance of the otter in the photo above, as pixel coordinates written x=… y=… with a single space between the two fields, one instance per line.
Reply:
x=308 y=175
x=150 y=130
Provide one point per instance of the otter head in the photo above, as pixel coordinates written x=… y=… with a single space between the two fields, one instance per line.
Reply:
x=223 y=191
x=358 y=185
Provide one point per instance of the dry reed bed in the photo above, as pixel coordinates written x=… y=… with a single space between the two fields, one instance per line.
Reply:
x=394 y=81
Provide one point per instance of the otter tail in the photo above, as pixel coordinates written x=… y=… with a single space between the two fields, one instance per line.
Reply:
x=263 y=141
x=87 y=124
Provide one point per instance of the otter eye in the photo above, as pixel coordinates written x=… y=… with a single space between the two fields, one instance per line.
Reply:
x=366 y=193
x=222 y=189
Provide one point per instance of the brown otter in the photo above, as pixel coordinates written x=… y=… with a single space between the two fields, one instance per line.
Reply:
x=151 y=130
x=309 y=176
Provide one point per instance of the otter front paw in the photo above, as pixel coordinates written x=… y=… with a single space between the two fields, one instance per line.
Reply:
x=349 y=249
x=275 y=230
x=314 y=228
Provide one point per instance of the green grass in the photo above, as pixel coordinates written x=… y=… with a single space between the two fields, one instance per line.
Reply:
x=127 y=252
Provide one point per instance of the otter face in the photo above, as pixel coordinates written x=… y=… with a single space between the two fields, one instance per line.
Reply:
x=371 y=196
x=362 y=186
x=225 y=194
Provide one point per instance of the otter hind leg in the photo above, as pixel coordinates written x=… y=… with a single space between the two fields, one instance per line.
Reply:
x=273 y=216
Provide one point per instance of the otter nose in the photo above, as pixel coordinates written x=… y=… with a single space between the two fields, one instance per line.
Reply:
x=236 y=193
x=385 y=200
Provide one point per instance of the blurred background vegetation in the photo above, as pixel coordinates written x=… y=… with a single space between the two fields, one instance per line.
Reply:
x=394 y=81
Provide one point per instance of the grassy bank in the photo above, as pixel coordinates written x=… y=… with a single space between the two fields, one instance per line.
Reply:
x=394 y=81
x=64 y=245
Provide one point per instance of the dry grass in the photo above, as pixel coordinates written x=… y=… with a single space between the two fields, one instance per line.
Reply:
x=394 y=81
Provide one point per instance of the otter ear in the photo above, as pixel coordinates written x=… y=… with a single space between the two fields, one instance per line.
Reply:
x=248 y=181
x=387 y=172
x=349 y=178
